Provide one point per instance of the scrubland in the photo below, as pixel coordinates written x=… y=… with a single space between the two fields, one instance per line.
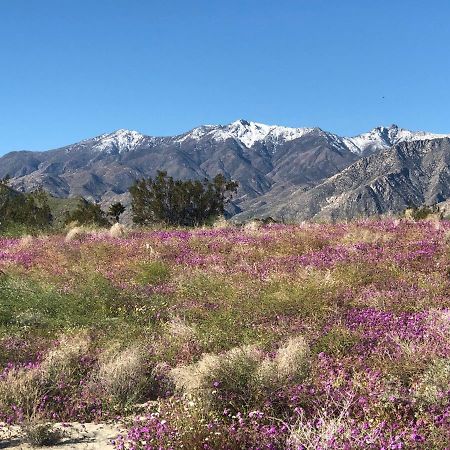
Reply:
x=310 y=336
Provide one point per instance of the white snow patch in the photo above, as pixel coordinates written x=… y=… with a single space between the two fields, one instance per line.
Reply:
x=384 y=137
x=247 y=133
x=122 y=140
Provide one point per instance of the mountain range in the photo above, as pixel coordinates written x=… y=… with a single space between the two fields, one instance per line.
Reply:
x=286 y=173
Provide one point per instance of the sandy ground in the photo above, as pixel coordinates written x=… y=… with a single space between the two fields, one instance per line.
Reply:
x=79 y=436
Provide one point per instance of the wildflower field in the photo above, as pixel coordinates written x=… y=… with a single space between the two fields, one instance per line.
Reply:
x=307 y=336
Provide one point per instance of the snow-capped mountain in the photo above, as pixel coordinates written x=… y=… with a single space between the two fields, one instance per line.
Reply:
x=252 y=133
x=381 y=138
x=121 y=140
x=247 y=133
x=269 y=161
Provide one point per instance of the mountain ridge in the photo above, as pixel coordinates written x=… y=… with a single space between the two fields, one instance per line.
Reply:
x=270 y=162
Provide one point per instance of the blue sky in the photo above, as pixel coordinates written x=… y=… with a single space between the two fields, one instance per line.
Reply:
x=72 y=69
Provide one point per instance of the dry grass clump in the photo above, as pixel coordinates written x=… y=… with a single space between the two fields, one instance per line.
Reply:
x=41 y=434
x=221 y=222
x=78 y=231
x=178 y=342
x=64 y=358
x=118 y=230
x=217 y=379
x=365 y=235
x=212 y=367
x=326 y=431
x=26 y=241
x=238 y=377
x=447 y=237
x=253 y=225
x=433 y=387
x=124 y=375
x=75 y=232
x=178 y=328
x=291 y=364
x=24 y=387
x=438 y=324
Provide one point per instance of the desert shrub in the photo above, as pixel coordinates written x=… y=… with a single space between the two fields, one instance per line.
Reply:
x=243 y=377
x=178 y=342
x=124 y=376
x=222 y=380
x=220 y=222
x=177 y=202
x=433 y=386
x=41 y=434
x=118 y=230
x=290 y=365
x=30 y=390
x=77 y=232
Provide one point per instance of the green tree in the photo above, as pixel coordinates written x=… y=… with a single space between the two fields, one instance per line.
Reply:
x=87 y=213
x=179 y=202
x=27 y=209
x=116 y=210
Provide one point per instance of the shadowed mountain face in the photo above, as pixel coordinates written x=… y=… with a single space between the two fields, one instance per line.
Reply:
x=276 y=167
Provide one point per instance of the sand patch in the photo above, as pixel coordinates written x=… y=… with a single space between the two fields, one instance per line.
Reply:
x=78 y=436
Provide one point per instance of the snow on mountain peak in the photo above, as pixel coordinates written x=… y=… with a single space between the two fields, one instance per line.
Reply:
x=121 y=140
x=247 y=133
x=384 y=137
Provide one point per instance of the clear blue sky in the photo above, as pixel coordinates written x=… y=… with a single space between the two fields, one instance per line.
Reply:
x=72 y=69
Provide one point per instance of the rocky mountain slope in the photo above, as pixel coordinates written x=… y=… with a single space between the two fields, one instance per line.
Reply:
x=271 y=163
x=410 y=173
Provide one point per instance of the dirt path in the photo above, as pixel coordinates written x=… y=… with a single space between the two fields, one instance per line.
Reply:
x=86 y=436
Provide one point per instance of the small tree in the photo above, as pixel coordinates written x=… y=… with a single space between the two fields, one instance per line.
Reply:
x=116 y=210
x=87 y=213
x=179 y=202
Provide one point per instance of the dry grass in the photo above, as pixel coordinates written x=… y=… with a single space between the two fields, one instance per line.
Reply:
x=433 y=386
x=24 y=387
x=242 y=373
x=118 y=230
x=322 y=433
x=75 y=232
x=124 y=375
x=291 y=364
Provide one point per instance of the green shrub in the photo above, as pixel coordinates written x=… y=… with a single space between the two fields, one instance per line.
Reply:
x=179 y=202
x=337 y=342
x=87 y=213
x=153 y=272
